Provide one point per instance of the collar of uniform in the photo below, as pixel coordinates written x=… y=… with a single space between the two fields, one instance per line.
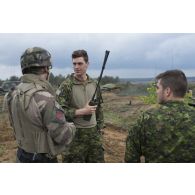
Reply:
x=32 y=78
x=75 y=81
x=173 y=102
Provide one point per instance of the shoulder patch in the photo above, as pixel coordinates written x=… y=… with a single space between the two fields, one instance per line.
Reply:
x=60 y=115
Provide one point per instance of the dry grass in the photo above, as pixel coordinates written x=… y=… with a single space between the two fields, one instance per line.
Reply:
x=7 y=143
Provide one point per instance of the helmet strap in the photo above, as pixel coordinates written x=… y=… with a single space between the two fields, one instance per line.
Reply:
x=47 y=73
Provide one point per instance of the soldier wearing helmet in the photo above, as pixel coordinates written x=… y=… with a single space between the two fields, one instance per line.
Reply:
x=39 y=123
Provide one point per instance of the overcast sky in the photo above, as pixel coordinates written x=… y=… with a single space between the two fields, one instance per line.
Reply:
x=131 y=55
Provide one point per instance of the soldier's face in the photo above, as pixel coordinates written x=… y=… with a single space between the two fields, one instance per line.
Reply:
x=80 y=66
x=161 y=95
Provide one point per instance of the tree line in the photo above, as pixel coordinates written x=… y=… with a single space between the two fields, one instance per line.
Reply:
x=57 y=80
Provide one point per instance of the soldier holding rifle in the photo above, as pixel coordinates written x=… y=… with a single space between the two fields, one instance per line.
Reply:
x=80 y=96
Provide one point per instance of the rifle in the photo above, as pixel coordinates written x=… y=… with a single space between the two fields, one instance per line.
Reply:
x=93 y=100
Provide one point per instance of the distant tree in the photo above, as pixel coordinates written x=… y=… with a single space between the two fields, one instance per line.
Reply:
x=52 y=79
x=151 y=96
x=58 y=80
x=117 y=80
x=14 y=78
x=109 y=79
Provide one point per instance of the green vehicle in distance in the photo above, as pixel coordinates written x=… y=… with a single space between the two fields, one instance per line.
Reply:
x=7 y=85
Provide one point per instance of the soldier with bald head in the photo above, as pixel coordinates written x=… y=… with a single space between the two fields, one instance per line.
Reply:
x=39 y=123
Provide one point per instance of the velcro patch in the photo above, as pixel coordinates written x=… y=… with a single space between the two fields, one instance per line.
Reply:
x=60 y=115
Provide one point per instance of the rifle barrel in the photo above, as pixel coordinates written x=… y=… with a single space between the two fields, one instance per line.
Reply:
x=103 y=67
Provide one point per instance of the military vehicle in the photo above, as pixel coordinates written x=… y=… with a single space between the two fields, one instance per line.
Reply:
x=110 y=87
x=7 y=85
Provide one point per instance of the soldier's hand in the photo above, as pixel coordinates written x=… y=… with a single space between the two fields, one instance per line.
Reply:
x=87 y=110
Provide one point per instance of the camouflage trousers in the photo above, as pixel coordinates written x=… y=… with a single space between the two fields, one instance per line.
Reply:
x=86 y=147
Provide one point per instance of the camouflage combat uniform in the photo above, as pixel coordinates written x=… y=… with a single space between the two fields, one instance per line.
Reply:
x=163 y=134
x=87 y=145
x=38 y=121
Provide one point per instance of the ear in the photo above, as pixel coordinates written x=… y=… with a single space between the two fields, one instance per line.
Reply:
x=168 y=91
x=87 y=64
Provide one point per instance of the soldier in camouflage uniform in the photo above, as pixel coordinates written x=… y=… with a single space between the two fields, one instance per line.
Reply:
x=165 y=133
x=74 y=95
x=38 y=121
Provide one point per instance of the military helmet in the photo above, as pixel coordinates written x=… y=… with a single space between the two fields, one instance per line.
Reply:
x=35 y=57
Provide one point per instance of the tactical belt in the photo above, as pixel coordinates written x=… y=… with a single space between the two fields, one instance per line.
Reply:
x=26 y=157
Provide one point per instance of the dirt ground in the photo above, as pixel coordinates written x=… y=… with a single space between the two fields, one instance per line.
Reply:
x=120 y=113
x=114 y=143
x=115 y=133
x=7 y=142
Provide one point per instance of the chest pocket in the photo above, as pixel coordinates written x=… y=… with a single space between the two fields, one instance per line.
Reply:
x=81 y=94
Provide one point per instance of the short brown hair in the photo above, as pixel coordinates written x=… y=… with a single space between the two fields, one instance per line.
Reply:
x=80 y=53
x=176 y=80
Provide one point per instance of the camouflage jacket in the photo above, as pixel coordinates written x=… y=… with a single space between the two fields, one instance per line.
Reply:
x=69 y=103
x=163 y=134
x=37 y=119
